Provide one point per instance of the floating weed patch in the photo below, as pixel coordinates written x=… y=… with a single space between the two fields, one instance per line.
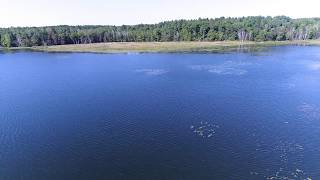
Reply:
x=309 y=110
x=228 y=71
x=152 y=72
x=205 y=129
x=227 y=68
x=288 y=151
x=283 y=174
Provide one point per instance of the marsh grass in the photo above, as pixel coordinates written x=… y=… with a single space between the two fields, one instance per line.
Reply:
x=140 y=47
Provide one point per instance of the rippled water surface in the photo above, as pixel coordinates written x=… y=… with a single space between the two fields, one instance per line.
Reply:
x=235 y=115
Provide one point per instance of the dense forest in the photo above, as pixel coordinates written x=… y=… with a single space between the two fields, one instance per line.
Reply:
x=255 y=28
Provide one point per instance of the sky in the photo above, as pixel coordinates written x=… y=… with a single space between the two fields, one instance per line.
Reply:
x=119 y=12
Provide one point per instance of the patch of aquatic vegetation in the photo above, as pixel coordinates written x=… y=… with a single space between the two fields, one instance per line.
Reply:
x=152 y=72
x=205 y=129
x=310 y=110
x=227 y=68
x=283 y=174
x=291 y=157
x=262 y=54
x=290 y=85
x=228 y=71
x=61 y=56
x=287 y=149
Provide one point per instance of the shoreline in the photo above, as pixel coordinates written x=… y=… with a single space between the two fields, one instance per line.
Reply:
x=161 y=47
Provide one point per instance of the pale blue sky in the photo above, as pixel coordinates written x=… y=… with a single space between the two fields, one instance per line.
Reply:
x=118 y=12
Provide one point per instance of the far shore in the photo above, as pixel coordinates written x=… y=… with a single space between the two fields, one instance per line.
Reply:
x=144 y=47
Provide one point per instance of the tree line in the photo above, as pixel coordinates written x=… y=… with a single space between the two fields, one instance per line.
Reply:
x=255 y=28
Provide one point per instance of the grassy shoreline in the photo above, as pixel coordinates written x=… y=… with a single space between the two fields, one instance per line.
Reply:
x=145 y=47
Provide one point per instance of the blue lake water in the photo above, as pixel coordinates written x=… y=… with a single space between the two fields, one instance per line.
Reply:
x=180 y=116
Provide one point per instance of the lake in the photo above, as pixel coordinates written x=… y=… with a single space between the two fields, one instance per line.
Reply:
x=182 y=116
